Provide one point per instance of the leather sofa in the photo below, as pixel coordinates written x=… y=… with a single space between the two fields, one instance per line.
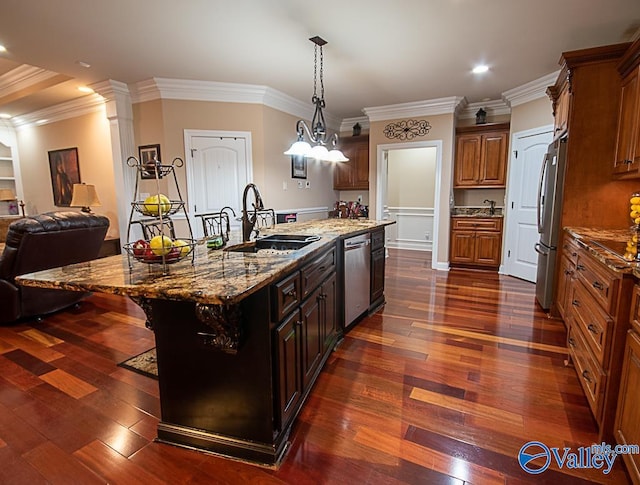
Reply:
x=41 y=242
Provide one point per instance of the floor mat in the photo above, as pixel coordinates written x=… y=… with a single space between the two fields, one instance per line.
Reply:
x=144 y=363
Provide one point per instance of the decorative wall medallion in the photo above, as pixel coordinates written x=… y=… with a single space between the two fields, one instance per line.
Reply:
x=226 y=323
x=407 y=130
x=145 y=304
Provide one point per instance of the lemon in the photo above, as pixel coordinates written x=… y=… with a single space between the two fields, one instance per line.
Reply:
x=635 y=200
x=183 y=246
x=161 y=245
x=156 y=204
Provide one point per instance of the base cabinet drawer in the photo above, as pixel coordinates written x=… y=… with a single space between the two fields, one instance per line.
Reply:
x=627 y=423
x=592 y=320
x=590 y=374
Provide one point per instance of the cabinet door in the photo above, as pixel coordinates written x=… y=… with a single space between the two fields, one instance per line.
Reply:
x=289 y=372
x=626 y=160
x=328 y=311
x=311 y=337
x=462 y=247
x=342 y=173
x=493 y=159
x=487 y=248
x=564 y=286
x=467 y=164
x=627 y=424
x=361 y=165
x=561 y=119
x=377 y=274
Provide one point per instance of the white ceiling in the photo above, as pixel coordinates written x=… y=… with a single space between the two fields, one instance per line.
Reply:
x=379 y=52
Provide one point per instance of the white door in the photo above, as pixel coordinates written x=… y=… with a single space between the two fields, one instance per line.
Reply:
x=218 y=170
x=528 y=150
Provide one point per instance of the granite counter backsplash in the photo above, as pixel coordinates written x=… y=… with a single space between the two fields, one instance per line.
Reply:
x=475 y=212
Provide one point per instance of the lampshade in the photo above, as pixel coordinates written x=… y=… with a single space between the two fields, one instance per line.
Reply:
x=336 y=155
x=299 y=148
x=85 y=196
x=7 y=194
x=319 y=152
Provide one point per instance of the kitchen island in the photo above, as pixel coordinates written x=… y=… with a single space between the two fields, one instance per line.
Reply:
x=240 y=337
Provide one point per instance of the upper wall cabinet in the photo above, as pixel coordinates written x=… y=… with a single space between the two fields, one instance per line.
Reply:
x=354 y=174
x=560 y=95
x=481 y=156
x=627 y=161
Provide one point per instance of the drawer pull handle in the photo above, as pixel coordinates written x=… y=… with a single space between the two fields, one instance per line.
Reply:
x=298 y=323
x=574 y=254
x=579 y=267
x=592 y=328
x=572 y=342
x=597 y=285
x=586 y=376
x=568 y=272
x=291 y=293
x=576 y=303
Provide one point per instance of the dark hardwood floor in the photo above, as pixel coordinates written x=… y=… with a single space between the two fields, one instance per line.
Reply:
x=442 y=386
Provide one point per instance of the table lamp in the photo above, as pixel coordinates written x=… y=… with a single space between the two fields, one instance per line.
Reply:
x=85 y=196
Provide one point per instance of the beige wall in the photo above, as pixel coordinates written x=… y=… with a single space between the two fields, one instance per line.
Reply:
x=410 y=178
x=442 y=128
x=530 y=115
x=272 y=132
x=90 y=134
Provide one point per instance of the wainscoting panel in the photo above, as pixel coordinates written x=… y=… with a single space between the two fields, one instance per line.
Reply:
x=413 y=228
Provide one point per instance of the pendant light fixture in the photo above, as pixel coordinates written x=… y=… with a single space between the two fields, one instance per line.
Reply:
x=317 y=135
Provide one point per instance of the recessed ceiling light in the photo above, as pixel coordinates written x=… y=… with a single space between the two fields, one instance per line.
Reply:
x=3 y=48
x=479 y=69
x=83 y=63
x=5 y=116
x=85 y=89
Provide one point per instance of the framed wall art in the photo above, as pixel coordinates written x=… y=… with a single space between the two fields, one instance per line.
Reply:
x=148 y=153
x=65 y=171
x=298 y=167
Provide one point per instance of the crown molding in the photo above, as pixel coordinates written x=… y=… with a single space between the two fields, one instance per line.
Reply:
x=494 y=107
x=91 y=103
x=189 y=90
x=419 y=108
x=23 y=77
x=347 y=123
x=530 y=91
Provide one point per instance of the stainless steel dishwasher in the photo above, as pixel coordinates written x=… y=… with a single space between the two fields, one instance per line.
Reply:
x=357 y=277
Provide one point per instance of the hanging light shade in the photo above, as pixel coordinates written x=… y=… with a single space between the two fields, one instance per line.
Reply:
x=317 y=134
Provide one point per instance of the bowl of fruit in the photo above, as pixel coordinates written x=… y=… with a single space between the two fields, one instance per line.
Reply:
x=158 y=205
x=160 y=249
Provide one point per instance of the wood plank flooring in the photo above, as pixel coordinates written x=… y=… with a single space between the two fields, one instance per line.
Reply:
x=442 y=386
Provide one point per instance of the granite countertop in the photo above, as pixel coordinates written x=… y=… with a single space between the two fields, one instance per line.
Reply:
x=475 y=212
x=588 y=238
x=216 y=276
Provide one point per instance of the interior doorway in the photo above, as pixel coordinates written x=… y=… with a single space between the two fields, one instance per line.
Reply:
x=528 y=149
x=218 y=168
x=408 y=192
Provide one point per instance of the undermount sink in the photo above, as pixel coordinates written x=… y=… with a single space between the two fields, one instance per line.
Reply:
x=276 y=242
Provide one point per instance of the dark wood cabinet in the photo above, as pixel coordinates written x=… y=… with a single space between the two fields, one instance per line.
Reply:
x=476 y=242
x=307 y=334
x=354 y=174
x=288 y=365
x=377 y=267
x=627 y=160
x=627 y=424
x=567 y=271
x=481 y=156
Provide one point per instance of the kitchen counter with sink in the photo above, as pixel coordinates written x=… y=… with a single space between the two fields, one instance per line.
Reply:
x=242 y=332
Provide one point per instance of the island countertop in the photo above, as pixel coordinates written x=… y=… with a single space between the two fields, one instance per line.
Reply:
x=216 y=276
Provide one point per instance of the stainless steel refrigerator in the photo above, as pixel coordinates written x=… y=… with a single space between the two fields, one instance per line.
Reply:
x=549 y=216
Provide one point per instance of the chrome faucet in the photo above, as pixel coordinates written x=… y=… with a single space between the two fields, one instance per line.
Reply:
x=248 y=223
x=492 y=208
x=223 y=214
